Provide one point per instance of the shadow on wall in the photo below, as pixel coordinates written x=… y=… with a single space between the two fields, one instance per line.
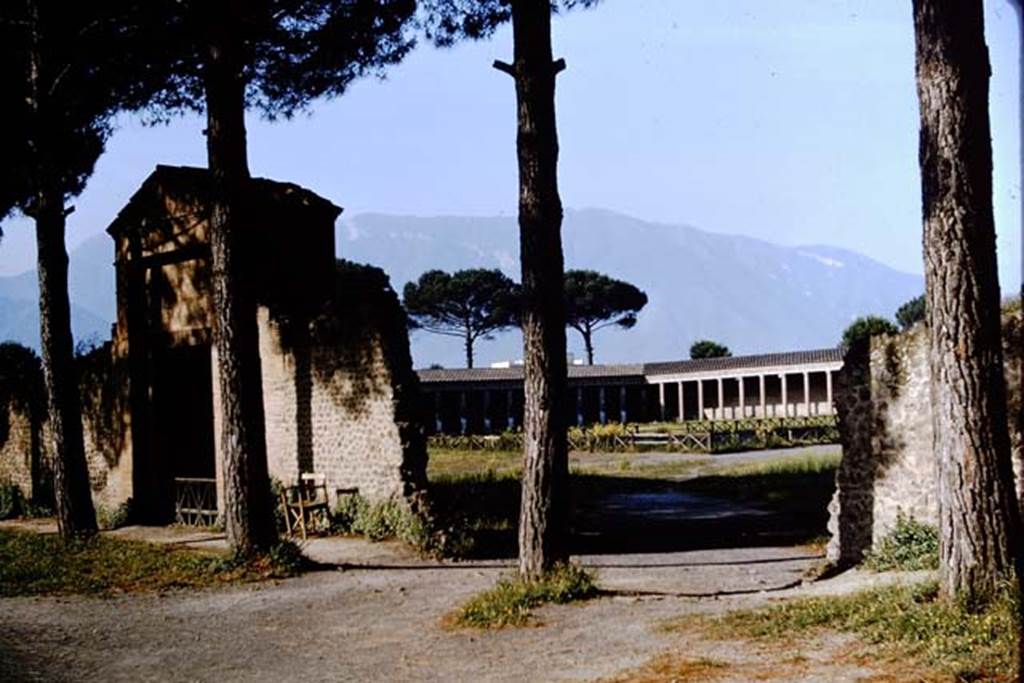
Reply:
x=870 y=444
x=357 y=345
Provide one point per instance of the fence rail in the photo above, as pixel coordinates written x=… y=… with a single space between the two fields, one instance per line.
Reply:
x=703 y=436
x=195 y=501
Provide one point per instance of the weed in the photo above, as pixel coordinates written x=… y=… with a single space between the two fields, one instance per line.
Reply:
x=114 y=517
x=510 y=603
x=911 y=545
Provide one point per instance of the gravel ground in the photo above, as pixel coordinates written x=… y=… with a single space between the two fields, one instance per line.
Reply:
x=378 y=614
x=379 y=617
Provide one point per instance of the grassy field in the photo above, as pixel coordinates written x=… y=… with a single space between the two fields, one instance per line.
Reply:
x=476 y=493
x=43 y=564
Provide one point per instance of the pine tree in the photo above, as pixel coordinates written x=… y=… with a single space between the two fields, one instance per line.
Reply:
x=223 y=57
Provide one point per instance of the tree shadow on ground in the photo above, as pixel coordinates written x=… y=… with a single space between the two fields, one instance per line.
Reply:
x=614 y=514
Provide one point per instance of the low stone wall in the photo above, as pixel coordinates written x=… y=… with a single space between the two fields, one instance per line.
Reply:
x=888 y=467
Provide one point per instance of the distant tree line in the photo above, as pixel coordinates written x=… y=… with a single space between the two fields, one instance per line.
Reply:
x=473 y=304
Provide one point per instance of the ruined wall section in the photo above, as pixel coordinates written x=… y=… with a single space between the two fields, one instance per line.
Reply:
x=884 y=405
x=340 y=393
x=26 y=440
x=17 y=447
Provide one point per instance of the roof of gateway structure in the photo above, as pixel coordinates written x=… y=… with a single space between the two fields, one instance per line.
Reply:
x=637 y=371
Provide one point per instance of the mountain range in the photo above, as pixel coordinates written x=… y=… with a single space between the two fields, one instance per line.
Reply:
x=753 y=296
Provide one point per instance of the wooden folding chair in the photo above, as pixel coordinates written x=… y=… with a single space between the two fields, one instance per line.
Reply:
x=304 y=501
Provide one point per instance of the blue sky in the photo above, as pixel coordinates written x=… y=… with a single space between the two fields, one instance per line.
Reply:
x=793 y=121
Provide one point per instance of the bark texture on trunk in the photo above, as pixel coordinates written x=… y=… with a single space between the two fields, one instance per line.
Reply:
x=544 y=515
x=978 y=515
x=588 y=342
x=76 y=516
x=249 y=519
x=469 y=349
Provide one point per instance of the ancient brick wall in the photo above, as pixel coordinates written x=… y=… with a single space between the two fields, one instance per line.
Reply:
x=16 y=450
x=340 y=394
x=888 y=466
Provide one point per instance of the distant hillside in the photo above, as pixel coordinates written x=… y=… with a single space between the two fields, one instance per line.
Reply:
x=91 y=281
x=751 y=295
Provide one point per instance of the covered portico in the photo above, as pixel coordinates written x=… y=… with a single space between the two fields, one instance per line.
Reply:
x=794 y=384
x=490 y=400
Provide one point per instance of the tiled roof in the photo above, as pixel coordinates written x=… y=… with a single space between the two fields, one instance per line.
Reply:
x=833 y=355
x=194 y=182
x=637 y=370
x=515 y=374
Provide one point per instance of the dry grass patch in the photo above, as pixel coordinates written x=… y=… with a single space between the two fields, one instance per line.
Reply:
x=43 y=564
x=902 y=626
x=512 y=601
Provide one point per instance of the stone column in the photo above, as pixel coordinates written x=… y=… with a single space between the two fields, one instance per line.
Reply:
x=623 y=411
x=438 y=424
x=463 y=418
x=785 y=398
x=700 y=399
x=602 y=412
x=720 y=410
x=828 y=392
x=807 y=394
x=510 y=413
x=579 y=406
x=661 y=400
x=764 y=400
x=487 y=411
x=743 y=407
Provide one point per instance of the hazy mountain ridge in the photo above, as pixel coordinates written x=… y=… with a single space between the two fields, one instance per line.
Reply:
x=750 y=294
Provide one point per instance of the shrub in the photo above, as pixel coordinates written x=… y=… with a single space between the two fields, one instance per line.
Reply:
x=511 y=601
x=380 y=521
x=911 y=545
x=114 y=518
x=12 y=503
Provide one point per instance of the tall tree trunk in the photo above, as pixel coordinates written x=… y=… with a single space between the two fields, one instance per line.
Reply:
x=978 y=515
x=469 y=350
x=544 y=515
x=76 y=516
x=1018 y=6
x=249 y=518
x=588 y=341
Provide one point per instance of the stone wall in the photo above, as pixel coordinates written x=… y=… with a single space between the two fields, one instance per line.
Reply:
x=26 y=451
x=884 y=407
x=18 y=449
x=340 y=394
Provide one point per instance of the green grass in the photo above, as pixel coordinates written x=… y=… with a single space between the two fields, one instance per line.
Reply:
x=475 y=494
x=789 y=480
x=453 y=463
x=43 y=564
x=512 y=601
x=897 y=622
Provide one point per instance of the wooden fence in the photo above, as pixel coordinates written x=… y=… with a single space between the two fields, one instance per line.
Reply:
x=699 y=436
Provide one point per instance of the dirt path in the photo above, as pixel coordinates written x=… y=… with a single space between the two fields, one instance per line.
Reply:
x=379 y=618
